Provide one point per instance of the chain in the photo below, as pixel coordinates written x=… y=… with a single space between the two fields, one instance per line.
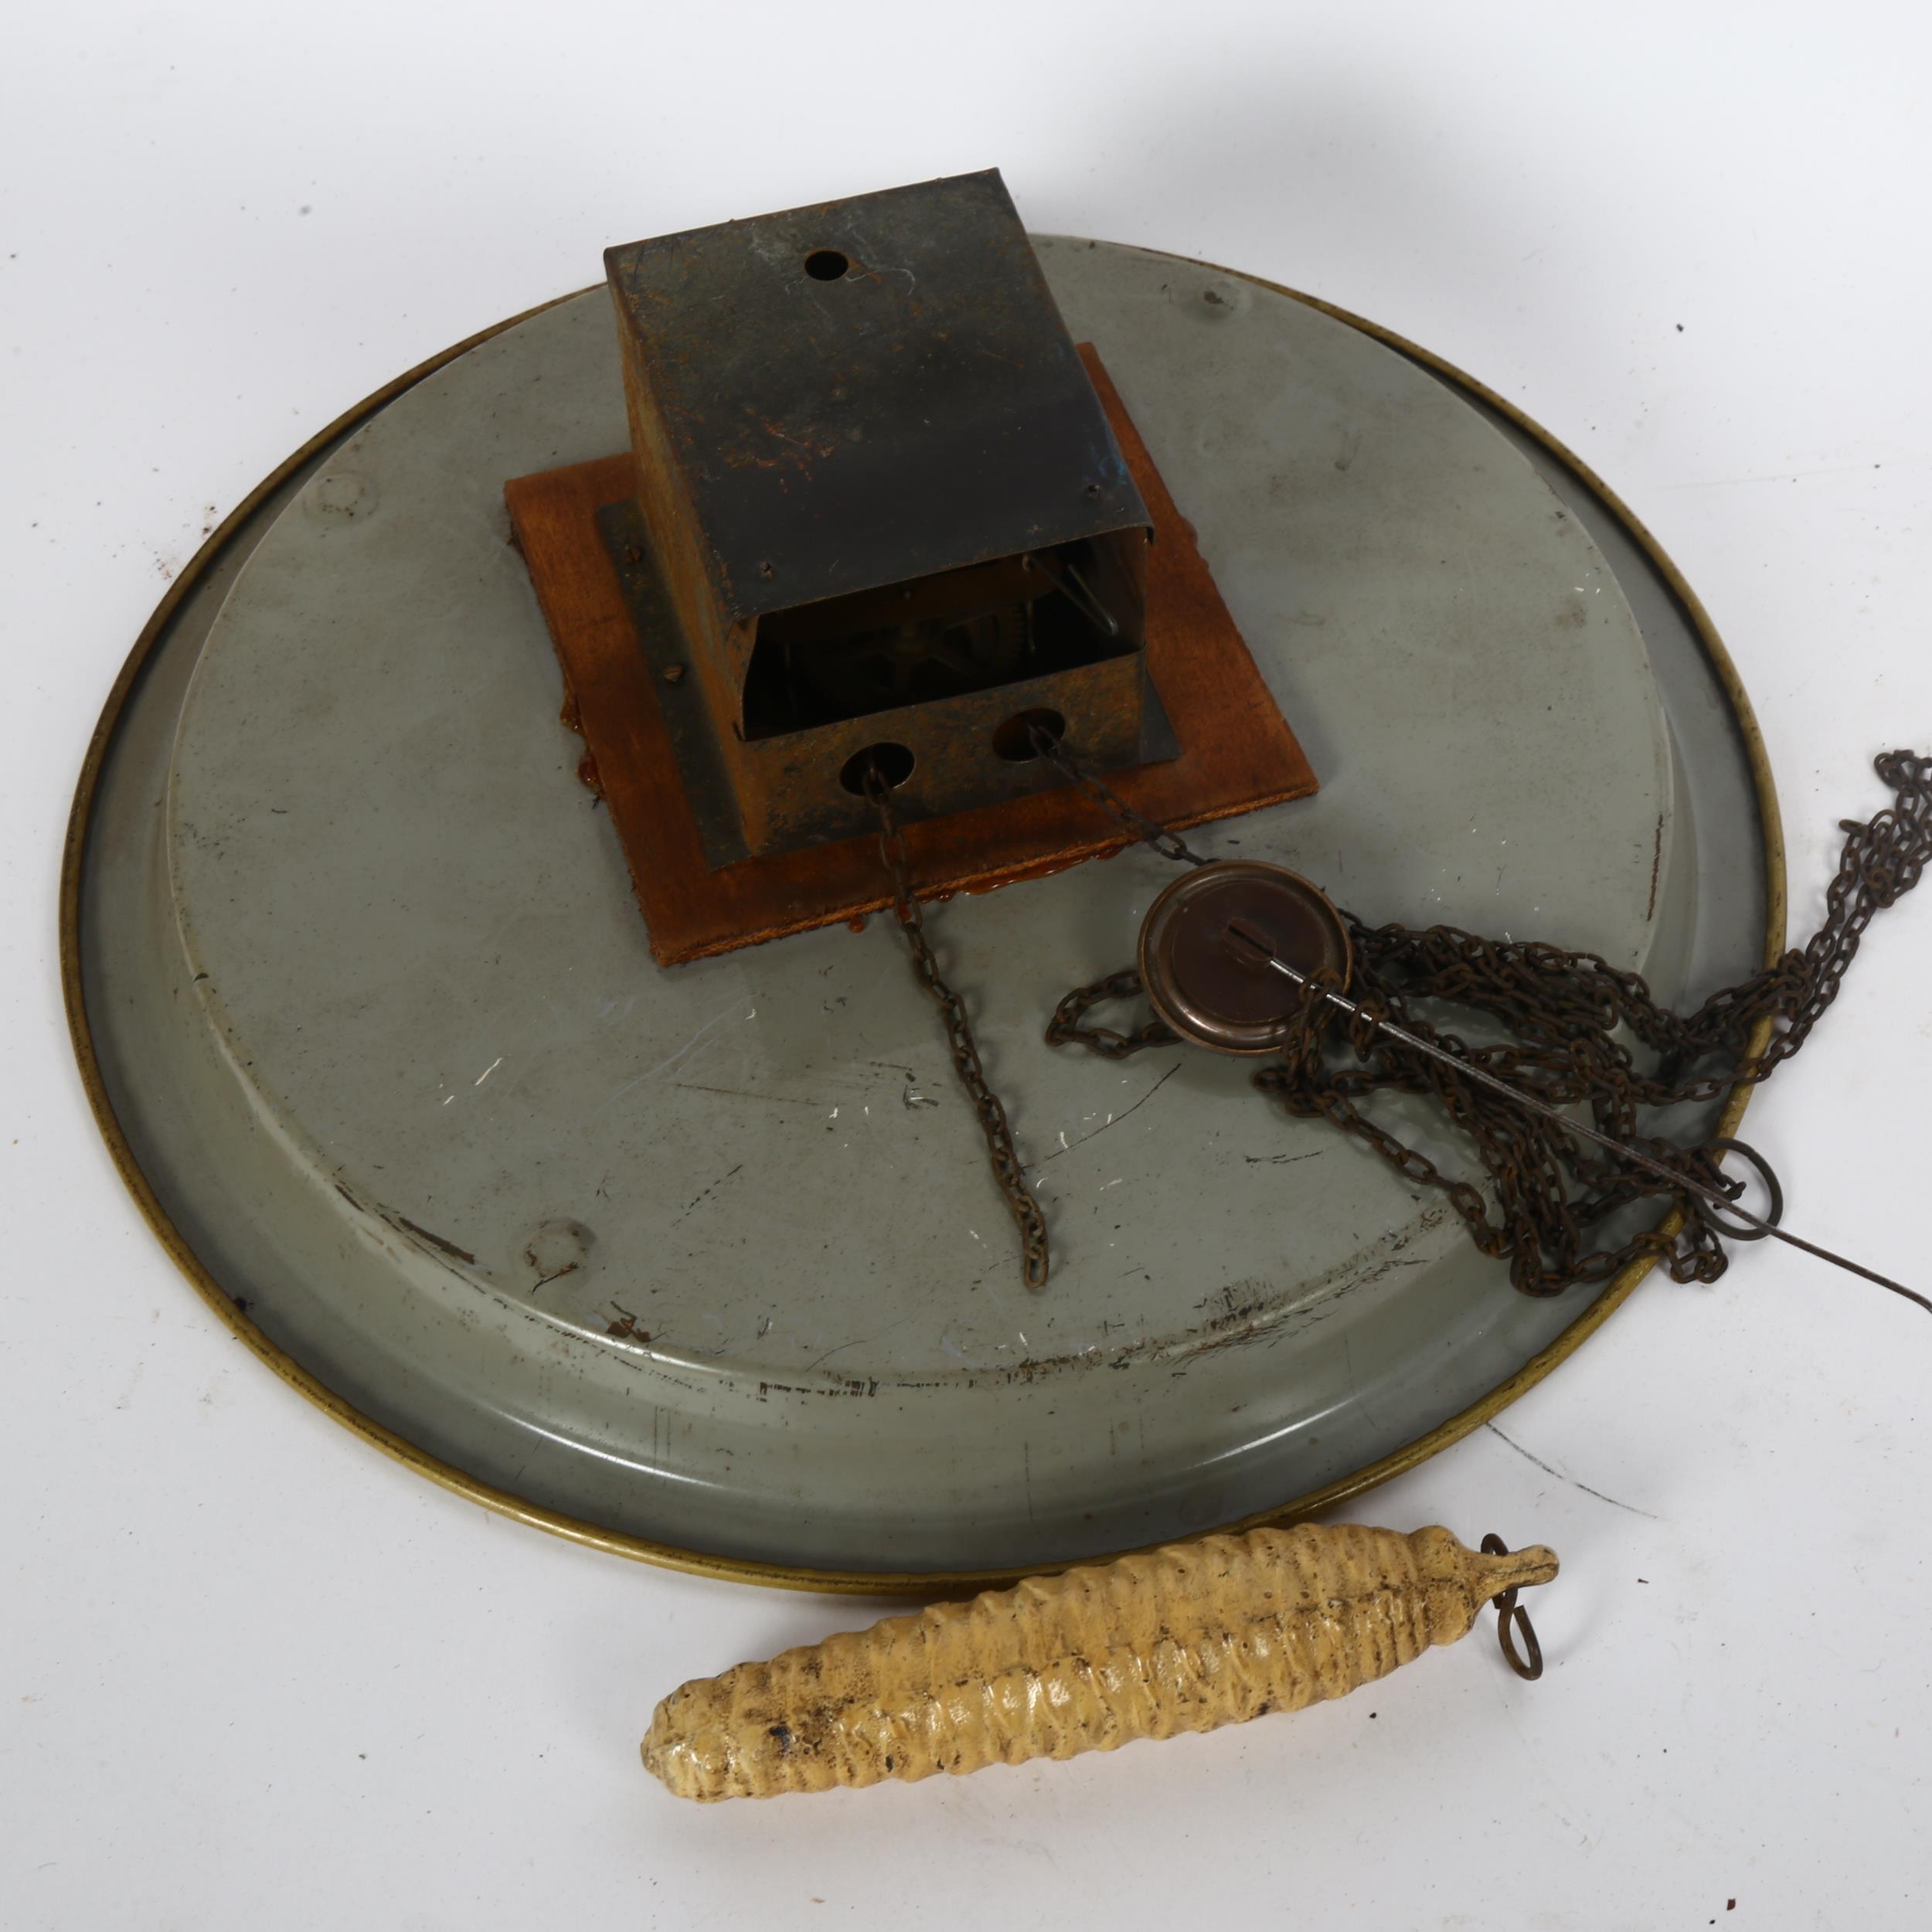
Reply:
x=1563 y=1009
x=1065 y=1029
x=1168 y=843
x=1036 y=1258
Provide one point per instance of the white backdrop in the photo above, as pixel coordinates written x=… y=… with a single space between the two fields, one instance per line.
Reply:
x=254 y=1675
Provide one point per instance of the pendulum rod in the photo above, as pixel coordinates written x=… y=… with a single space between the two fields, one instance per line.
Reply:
x=1251 y=942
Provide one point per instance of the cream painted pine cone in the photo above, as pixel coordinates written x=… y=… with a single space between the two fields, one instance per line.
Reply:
x=1184 y=1638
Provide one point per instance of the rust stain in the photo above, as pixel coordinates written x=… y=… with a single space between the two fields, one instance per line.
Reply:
x=435 y=1241
x=1243 y=1313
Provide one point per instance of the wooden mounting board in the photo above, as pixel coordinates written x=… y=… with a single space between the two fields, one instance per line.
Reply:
x=1237 y=751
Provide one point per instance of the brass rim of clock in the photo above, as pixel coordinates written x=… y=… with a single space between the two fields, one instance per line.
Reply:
x=787 y=1576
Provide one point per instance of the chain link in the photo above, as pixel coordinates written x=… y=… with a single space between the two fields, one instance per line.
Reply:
x=1004 y=1158
x=1168 y=842
x=1065 y=1029
x=1563 y=1009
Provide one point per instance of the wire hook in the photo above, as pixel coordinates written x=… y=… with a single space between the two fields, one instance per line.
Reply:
x=1509 y=1611
x=1774 y=1213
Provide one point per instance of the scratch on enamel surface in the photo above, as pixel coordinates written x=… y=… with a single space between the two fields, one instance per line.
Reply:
x=672 y=1059
x=488 y=1071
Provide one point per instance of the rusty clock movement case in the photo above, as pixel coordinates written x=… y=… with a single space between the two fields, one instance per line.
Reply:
x=879 y=512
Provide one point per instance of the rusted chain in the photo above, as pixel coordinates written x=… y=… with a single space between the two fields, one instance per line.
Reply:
x=1562 y=1012
x=1036 y=1259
